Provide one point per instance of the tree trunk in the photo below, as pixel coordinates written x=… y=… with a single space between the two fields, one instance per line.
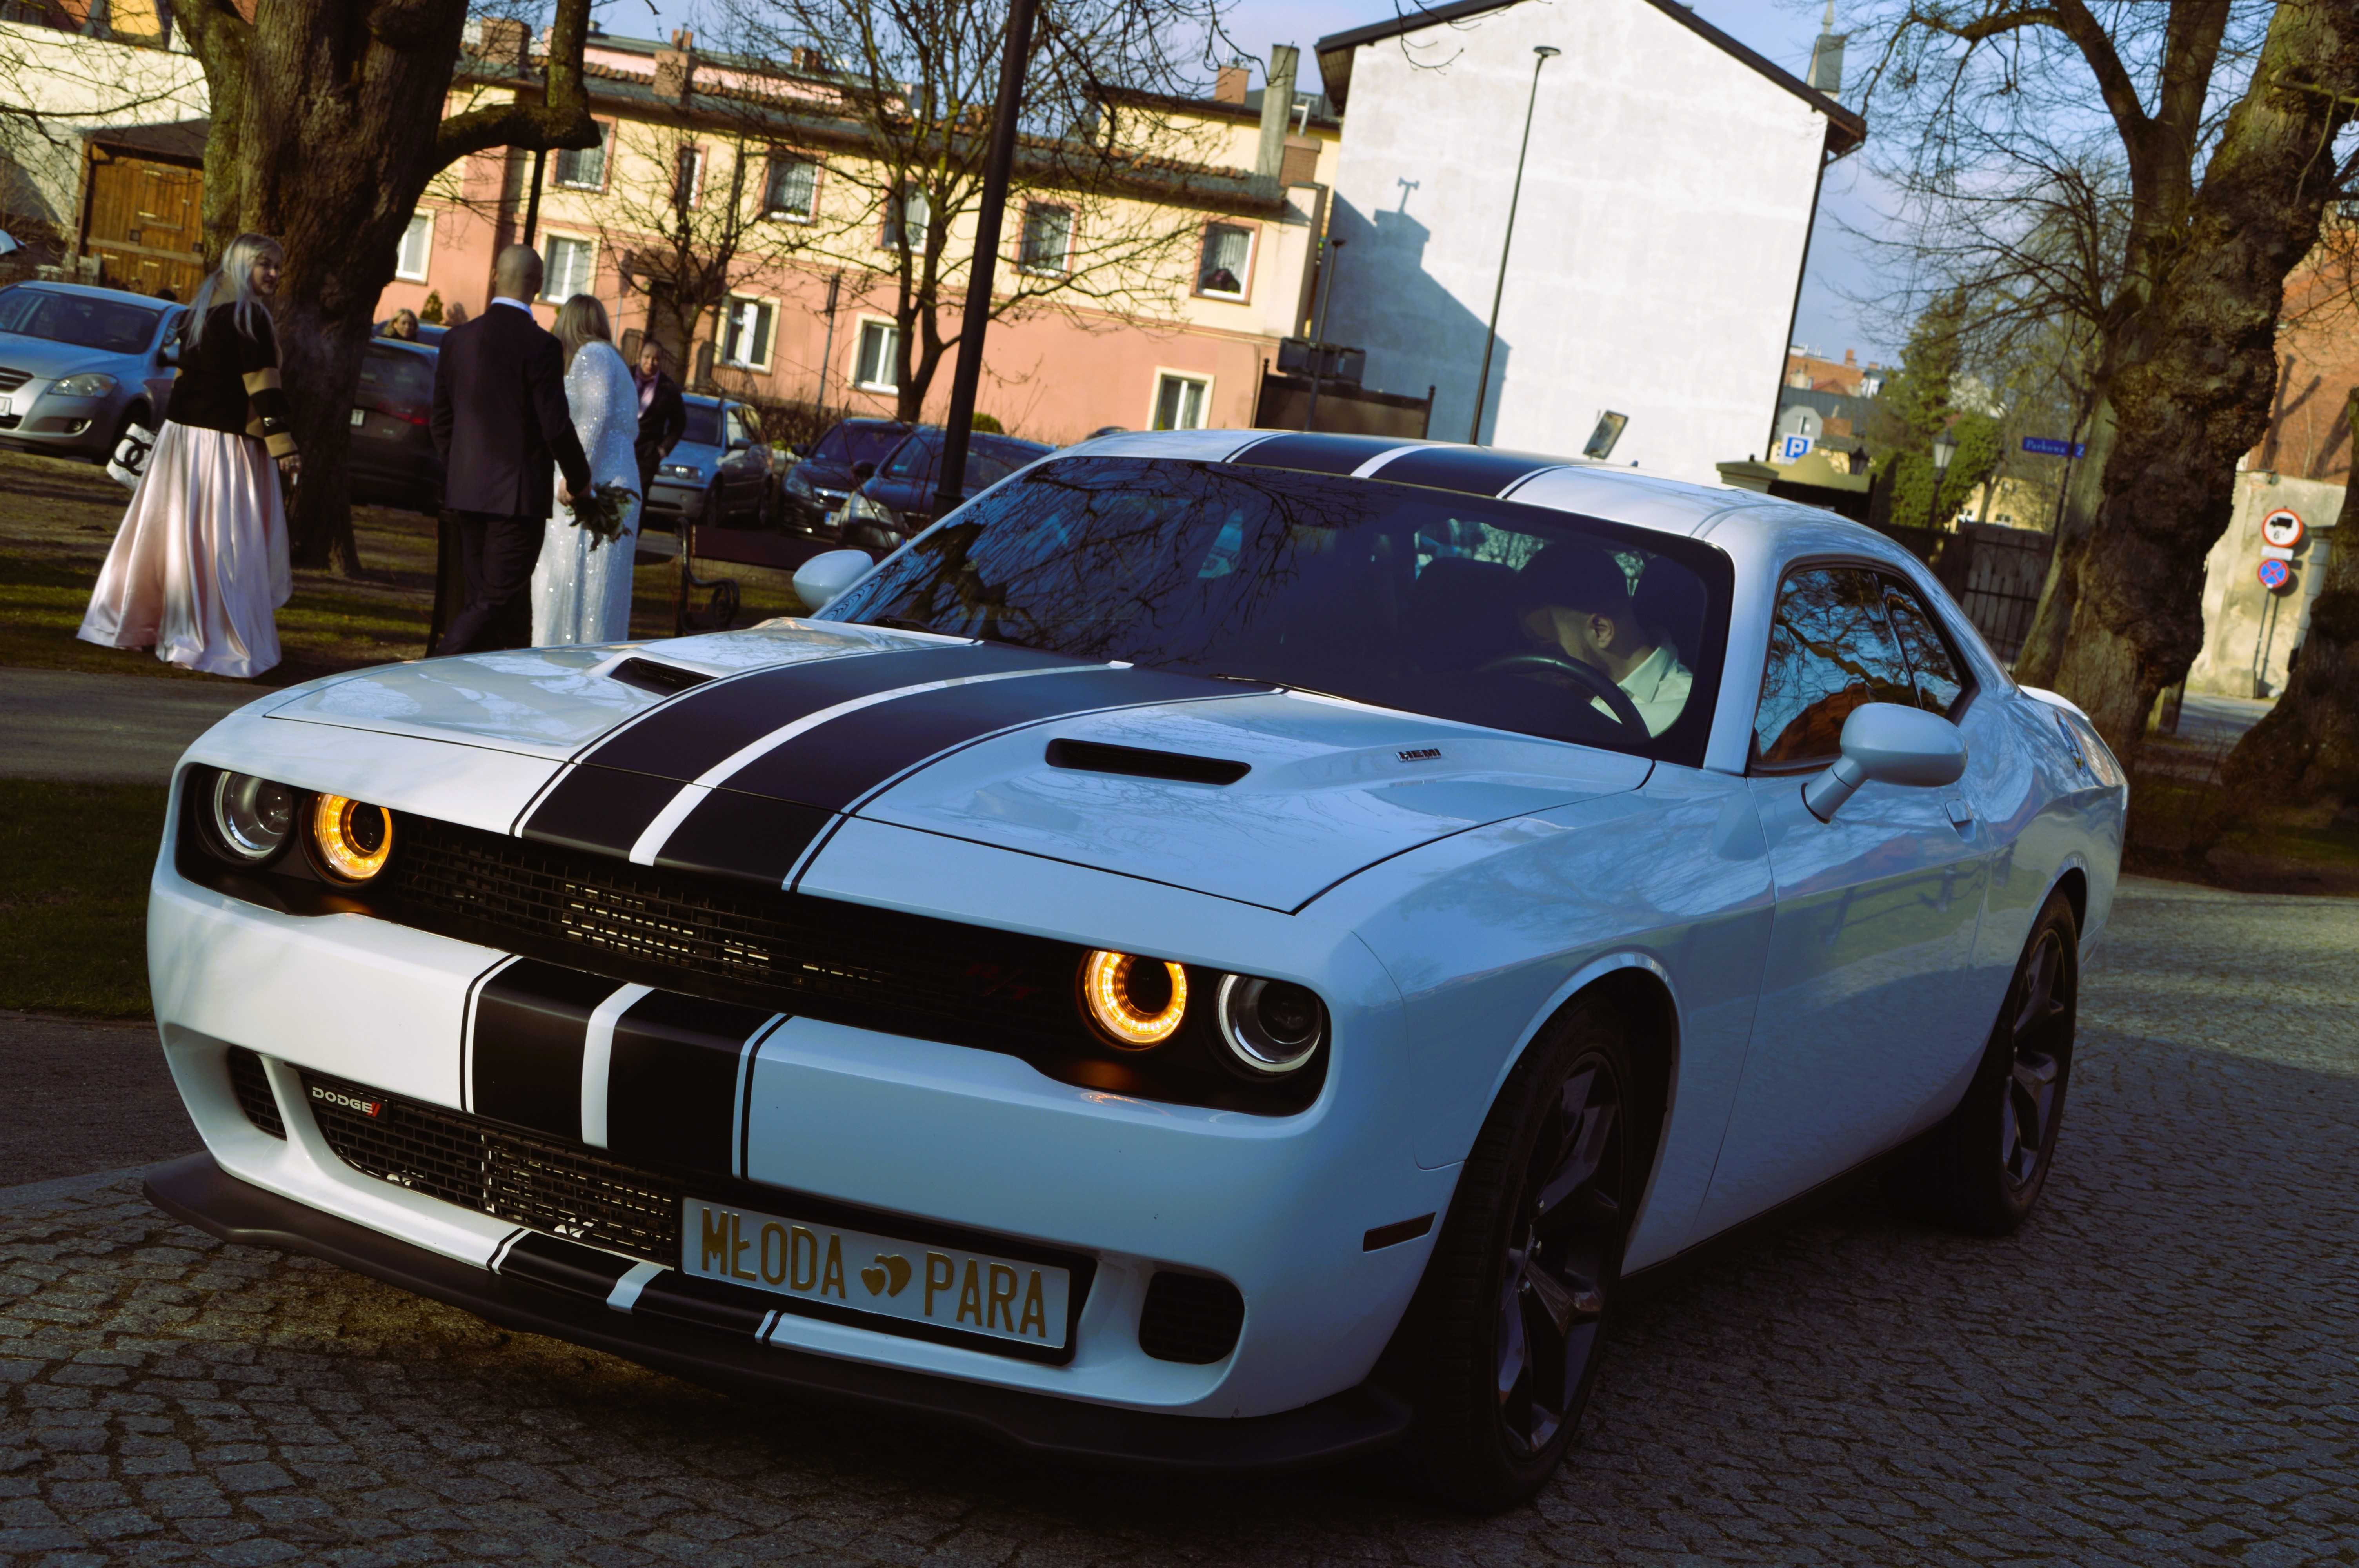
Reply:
x=2187 y=410
x=327 y=124
x=2307 y=747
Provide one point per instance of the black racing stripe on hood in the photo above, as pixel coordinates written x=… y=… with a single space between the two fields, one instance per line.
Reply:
x=837 y=763
x=1471 y=471
x=602 y=810
x=1317 y=453
x=682 y=739
x=745 y=837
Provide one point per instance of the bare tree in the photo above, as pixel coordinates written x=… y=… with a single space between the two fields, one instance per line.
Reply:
x=2224 y=118
x=906 y=89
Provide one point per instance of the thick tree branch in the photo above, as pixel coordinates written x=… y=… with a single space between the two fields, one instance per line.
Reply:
x=2073 y=19
x=561 y=118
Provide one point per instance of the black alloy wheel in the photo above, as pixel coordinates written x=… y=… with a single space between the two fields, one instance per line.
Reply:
x=1984 y=1168
x=1503 y=1345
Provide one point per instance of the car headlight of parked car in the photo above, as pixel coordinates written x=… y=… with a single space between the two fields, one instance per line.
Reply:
x=249 y=822
x=251 y=817
x=89 y=383
x=352 y=839
x=862 y=509
x=1266 y=1029
x=800 y=487
x=686 y=474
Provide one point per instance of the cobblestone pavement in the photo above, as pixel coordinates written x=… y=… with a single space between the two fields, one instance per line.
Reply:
x=2159 y=1369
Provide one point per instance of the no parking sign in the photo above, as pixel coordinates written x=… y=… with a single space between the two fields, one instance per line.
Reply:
x=2276 y=576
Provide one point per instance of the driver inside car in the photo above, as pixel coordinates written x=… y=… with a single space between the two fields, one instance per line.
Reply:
x=1574 y=599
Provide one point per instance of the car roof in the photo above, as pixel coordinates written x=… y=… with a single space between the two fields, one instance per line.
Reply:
x=96 y=293
x=926 y=432
x=403 y=346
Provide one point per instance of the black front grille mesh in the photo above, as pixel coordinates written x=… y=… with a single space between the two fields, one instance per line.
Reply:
x=761 y=945
x=509 y=1176
x=1193 y=1318
x=252 y=1087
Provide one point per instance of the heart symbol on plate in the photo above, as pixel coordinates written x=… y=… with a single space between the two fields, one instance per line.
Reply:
x=894 y=1265
x=875 y=1279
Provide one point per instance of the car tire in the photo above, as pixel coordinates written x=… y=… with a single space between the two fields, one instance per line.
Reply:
x=1984 y=1168
x=1502 y=1345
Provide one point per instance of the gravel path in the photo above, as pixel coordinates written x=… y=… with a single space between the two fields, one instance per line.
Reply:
x=2159 y=1369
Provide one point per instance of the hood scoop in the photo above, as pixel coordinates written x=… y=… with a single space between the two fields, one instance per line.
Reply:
x=1138 y=762
x=652 y=675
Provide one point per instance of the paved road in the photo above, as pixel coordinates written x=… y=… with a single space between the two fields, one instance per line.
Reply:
x=2158 y=1369
x=64 y=724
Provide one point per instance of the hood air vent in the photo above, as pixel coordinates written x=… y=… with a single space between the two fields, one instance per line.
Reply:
x=662 y=679
x=1095 y=757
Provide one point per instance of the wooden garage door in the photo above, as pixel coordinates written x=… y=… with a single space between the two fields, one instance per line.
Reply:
x=145 y=224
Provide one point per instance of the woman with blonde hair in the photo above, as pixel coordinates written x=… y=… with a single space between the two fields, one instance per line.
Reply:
x=199 y=568
x=582 y=585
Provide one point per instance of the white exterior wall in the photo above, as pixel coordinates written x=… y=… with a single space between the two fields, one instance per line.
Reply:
x=74 y=84
x=1657 y=247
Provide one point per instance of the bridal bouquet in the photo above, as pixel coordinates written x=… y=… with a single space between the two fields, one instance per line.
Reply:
x=602 y=511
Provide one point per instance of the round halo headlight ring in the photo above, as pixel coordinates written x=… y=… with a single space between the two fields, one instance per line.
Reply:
x=251 y=817
x=1137 y=1003
x=1271 y=1027
x=352 y=839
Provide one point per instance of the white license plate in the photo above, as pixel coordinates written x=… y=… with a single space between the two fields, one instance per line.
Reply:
x=975 y=1292
x=359 y=418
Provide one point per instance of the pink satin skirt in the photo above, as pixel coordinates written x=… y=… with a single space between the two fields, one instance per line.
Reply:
x=199 y=569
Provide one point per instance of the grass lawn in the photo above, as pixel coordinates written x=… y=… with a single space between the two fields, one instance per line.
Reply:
x=74 y=860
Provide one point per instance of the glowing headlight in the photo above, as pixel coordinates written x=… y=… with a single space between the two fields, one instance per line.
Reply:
x=800 y=487
x=1271 y=1027
x=861 y=508
x=1138 y=1001
x=90 y=384
x=352 y=837
x=252 y=816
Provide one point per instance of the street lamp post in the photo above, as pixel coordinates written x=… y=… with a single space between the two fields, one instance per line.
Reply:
x=1491 y=339
x=1944 y=449
x=1319 y=328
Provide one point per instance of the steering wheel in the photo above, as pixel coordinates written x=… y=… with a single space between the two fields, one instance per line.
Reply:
x=1617 y=701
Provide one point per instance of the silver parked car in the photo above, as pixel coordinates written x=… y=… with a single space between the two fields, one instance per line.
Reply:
x=77 y=365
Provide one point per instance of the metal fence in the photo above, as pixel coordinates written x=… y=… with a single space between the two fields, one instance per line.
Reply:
x=1997 y=581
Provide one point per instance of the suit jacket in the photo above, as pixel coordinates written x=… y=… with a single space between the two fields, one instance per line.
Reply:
x=500 y=418
x=661 y=424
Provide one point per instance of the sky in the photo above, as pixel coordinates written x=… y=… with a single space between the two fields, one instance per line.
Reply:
x=1781 y=31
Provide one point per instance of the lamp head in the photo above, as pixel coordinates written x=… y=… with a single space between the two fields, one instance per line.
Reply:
x=1944 y=449
x=1545 y=51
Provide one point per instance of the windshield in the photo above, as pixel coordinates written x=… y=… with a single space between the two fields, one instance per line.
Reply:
x=396 y=381
x=849 y=443
x=987 y=461
x=1509 y=616
x=704 y=425
x=113 y=326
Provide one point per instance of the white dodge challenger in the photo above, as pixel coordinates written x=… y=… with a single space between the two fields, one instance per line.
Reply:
x=1226 y=951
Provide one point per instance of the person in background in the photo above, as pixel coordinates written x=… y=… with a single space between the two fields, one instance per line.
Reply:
x=663 y=417
x=580 y=589
x=501 y=424
x=456 y=316
x=401 y=325
x=199 y=569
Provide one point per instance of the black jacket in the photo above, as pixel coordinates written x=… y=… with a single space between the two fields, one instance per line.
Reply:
x=661 y=423
x=500 y=418
x=230 y=382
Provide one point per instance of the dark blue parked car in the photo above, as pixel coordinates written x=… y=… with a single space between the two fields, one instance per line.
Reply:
x=834 y=466
x=897 y=501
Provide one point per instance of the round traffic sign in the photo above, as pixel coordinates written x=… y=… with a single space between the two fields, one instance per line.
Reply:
x=2275 y=575
x=2282 y=528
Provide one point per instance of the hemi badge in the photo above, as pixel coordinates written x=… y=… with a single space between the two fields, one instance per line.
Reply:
x=1423 y=754
x=349 y=1102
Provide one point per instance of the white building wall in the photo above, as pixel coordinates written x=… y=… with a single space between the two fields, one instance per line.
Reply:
x=1665 y=209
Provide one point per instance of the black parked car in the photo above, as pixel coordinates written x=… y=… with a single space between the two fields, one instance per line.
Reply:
x=831 y=467
x=393 y=461
x=720 y=473
x=897 y=501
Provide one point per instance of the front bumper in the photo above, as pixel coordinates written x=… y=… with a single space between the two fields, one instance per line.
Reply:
x=1358 y=1421
x=79 y=427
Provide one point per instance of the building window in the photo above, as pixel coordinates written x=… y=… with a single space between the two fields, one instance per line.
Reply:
x=1047 y=239
x=1179 y=402
x=877 y=367
x=567 y=272
x=687 y=176
x=745 y=334
x=417 y=247
x=1228 y=261
x=907 y=213
x=792 y=188
x=584 y=168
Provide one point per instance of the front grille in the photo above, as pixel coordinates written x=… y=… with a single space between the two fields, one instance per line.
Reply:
x=927 y=975
x=1193 y=1318
x=252 y=1087
x=10 y=380
x=512 y=1176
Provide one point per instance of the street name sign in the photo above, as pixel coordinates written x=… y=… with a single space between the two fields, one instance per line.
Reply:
x=2051 y=447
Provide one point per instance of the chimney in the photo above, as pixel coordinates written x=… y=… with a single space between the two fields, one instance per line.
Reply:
x=1229 y=86
x=504 y=41
x=1277 y=109
x=1851 y=359
x=1827 y=56
x=676 y=68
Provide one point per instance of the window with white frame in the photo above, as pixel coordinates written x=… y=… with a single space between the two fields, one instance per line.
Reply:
x=584 y=168
x=907 y=213
x=792 y=188
x=1179 y=402
x=745 y=331
x=1048 y=240
x=416 y=248
x=1228 y=261
x=878 y=365
x=687 y=175
x=566 y=272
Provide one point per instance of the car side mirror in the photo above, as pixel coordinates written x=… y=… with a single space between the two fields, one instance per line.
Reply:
x=825 y=576
x=801 y=448
x=863 y=472
x=1891 y=744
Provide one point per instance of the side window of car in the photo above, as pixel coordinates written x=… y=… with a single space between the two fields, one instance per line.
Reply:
x=1940 y=684
x=734 y=426
x=1831 y=649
